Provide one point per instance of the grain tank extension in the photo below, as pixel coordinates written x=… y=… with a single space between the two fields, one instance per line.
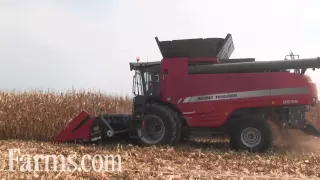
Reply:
x=197 y=90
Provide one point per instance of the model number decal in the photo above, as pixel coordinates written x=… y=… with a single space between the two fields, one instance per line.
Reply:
x=292 y=101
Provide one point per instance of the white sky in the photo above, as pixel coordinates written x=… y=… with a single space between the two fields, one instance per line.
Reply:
x=88 y=44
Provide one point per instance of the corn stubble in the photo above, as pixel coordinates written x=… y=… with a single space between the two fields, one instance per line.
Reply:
x=40 y=116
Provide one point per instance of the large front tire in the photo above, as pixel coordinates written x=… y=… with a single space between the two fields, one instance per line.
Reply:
x=251 y=133
x=159 y=126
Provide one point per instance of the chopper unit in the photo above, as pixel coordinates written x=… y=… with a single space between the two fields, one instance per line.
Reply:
x=196 y=90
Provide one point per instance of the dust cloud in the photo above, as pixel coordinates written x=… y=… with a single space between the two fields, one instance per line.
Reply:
x=296 y=141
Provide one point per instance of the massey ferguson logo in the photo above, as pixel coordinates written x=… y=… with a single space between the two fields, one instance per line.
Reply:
x=205 y=98
x=224 y=96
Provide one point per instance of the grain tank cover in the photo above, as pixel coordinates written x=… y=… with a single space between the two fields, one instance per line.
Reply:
x=220 y=48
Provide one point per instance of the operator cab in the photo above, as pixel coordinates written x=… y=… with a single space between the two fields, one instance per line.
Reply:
x=146 y=79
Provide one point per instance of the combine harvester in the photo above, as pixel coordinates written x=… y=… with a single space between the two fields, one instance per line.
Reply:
x=196 y=90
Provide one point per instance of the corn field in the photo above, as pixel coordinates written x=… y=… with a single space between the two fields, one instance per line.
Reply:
x=42 y=115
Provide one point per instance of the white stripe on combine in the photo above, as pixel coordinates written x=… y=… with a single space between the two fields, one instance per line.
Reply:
x=247 y=94
x=186 y=100
x=179 y=100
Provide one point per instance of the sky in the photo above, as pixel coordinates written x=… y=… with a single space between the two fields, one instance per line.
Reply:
x=80 y=44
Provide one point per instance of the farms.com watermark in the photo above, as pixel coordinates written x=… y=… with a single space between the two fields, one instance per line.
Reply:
x=62 y=163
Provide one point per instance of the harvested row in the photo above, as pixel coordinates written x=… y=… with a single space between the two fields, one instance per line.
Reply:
x=197 y=160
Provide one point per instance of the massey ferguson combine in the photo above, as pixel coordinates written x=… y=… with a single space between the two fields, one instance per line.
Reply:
x=196 y=90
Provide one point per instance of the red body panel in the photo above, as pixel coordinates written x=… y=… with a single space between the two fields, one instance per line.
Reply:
x=82 y=133
x=265 y=90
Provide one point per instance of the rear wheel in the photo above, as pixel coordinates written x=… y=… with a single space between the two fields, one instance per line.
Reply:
x=251 y=133
x=159 y=126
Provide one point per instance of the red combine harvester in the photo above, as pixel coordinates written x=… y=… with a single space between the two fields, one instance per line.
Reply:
x=196 y=90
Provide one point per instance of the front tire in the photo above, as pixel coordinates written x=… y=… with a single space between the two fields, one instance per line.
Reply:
x=185 y=132
x=251 y=133
x=160 y=126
